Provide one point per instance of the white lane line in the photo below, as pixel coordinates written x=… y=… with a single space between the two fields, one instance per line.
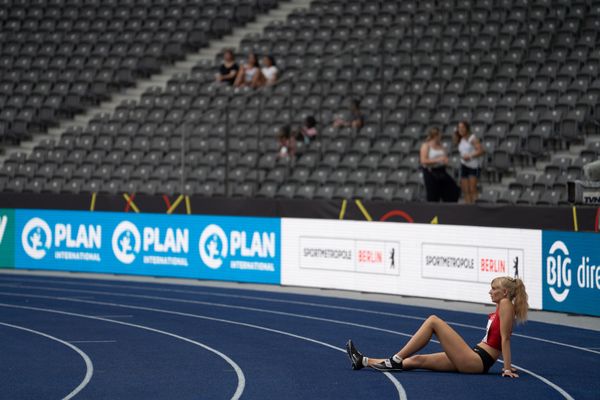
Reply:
x=115 y=316
x=546 y=381
x=89 y=366
x=274 y=312
x=303 y=303
x=541 y=378
x=240 y=375
x=92 y=341
x=205 y=303
x=395 y=382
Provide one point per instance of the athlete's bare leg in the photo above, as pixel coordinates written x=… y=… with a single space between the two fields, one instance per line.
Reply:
x=457 y=355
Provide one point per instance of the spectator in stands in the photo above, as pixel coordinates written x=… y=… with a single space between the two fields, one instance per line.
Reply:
x=470 y=150
x=249 y=73
x=268 y=72
x=287 y=144
x=357 y=118
x=229 y=69
x=439 y=185
x=308 y=131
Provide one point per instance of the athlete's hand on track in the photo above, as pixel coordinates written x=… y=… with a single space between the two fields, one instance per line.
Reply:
x=510 y=373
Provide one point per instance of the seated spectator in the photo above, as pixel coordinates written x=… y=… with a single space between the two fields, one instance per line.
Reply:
x=439 y=185
x=268 y=71
x=356 y=120
x=229 y=69
x=308 y=132
x=287 y=144
x=249 y=73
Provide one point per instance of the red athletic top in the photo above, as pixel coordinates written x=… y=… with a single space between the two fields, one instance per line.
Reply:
x=492 y=336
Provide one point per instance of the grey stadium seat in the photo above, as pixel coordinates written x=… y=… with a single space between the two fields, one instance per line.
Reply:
x=525 y=77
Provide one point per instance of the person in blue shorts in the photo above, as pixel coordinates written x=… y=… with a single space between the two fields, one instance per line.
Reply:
x=471 y=152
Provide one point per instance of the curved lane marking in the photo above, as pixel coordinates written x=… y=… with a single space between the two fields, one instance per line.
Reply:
x=541 y=378
x=240 y=375
x=303 y=303
x=89 y=366
x=395 y=382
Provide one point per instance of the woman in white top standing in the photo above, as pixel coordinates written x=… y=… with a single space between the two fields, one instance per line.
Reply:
x=433 y=158
x=470 y=150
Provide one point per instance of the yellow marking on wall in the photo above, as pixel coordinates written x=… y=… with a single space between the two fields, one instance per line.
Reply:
x=343 y=209
x=188 y=206
x=93 y=203
x=363 y=210
x=174 y=206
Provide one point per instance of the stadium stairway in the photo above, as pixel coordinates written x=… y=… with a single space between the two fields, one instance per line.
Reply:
x=539 y=173
x=206 y=54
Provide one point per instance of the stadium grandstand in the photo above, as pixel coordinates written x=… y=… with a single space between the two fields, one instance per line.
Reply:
x=227 y=199
x=107 y=96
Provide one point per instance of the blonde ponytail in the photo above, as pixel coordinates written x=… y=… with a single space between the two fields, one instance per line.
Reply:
x=518 y=295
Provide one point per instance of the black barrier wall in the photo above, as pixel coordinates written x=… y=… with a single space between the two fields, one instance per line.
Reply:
x=565 y=218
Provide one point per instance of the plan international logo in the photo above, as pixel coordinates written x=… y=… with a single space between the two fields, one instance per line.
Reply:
x=158 y=245
x=213 y=246
x=61 y=241
x=36 y=238
x=240 y=249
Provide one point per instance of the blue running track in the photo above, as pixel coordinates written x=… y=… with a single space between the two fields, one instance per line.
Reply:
x=98 y=339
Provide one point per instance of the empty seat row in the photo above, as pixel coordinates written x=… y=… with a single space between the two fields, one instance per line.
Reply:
x=83 y=53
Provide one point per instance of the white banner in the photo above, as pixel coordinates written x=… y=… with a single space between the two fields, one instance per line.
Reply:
x=374 y=257
x=438 y=261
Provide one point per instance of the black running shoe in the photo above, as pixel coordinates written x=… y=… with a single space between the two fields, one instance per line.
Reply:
x=387 y=365
x=355 y=356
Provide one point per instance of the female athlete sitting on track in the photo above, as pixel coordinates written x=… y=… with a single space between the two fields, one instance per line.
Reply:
x=511 y=298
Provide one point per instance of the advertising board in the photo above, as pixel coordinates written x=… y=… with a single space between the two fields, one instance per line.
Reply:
x=439 y=261
x=7 y=238
x=242 y=249
x=571 y=272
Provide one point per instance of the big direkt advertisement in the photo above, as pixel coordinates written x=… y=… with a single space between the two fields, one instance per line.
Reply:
x=571 y=272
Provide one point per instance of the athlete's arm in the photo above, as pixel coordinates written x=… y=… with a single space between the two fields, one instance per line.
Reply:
x=507 y=316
